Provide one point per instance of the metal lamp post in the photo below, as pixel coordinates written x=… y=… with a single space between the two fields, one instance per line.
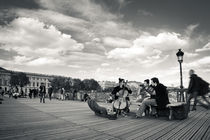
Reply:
x=180 y=55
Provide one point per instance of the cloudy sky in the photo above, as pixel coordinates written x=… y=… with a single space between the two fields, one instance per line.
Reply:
x=106 y=39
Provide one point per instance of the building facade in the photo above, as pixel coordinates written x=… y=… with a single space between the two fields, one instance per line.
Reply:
x=34 y=78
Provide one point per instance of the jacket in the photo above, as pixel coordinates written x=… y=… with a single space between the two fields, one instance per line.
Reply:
x=161 y=96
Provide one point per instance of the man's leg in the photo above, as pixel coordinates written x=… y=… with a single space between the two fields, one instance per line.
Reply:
x=188 y=101
x=44 y=98
x=195 y=96
x=204 y=105
x=145 y=103
x=204 y=98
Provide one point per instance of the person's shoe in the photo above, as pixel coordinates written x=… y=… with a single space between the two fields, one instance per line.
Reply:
x=138 y=117
x=193 y=109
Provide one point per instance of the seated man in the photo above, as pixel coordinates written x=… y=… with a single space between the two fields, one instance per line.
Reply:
x=160 y=99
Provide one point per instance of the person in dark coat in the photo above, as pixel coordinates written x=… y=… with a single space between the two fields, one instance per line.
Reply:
x=42 y=91
x=50 y=90
x=197 y=87
x=161 y=93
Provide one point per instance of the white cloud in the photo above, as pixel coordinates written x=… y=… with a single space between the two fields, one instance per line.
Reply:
x=152 y=61
x=204 y=48
x=105 y=64
x=190 y=55
x=149 y=45
x=74 y=66
x=44 y=61
x=190 y=29
x=20 y=60
x=126 y=53
x=201 y=63
x=86 y=9
x=34 y=39
x=163 y=41
x=116 y=42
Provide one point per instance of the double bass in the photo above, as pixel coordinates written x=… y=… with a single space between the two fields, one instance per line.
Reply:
x=121 y=102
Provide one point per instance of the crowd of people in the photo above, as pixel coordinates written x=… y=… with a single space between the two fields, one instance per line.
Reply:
x=42 y=93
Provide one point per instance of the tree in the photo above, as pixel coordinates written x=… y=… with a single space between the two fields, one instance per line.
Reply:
x=68 y=84
x=91 y=84
x=58 y=83
x=78 y=84
x=19 y=79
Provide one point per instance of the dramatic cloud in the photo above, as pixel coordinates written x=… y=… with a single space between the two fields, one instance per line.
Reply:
x=85 y=9
x=190 y=29
x=31 y=38
x=190 y=55
x=149 y=45
x=205 y=48
x=201 y=63
x=116 y=42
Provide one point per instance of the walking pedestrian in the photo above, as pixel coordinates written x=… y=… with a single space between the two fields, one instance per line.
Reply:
x=197 y=87
x=42 y=92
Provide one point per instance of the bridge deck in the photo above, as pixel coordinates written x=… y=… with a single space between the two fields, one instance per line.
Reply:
x=28 y=119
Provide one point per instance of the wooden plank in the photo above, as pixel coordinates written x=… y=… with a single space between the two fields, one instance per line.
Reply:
x=182 y=129
x=206 y=136
x=202 y=130
x=162 y=133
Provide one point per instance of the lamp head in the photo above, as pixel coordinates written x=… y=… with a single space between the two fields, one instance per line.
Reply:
x=180 y=55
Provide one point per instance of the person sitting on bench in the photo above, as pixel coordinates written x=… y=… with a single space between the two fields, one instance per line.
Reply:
x=160 y=100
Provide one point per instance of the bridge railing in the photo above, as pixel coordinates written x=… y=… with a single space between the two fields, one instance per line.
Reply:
x=180 y=95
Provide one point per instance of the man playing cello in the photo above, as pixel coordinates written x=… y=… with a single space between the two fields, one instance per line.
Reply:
x=120 y=97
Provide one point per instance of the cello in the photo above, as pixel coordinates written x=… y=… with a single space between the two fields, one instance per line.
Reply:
x=121 y=102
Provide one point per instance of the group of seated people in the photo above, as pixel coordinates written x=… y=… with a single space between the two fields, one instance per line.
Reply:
x=148 y=95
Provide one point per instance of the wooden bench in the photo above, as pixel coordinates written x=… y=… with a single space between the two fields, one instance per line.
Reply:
x=178 y=110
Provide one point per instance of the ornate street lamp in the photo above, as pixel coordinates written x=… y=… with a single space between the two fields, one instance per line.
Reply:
x=180 y=55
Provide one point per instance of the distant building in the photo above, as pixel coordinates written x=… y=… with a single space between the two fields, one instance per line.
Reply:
x=34 y=78
x=107 y=84
x=4 y=78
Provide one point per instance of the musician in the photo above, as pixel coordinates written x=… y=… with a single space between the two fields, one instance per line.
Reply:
x=115 y=94
x=145 y=91
x=160 y=99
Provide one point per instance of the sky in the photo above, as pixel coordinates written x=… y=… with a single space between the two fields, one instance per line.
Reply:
x=106 y=39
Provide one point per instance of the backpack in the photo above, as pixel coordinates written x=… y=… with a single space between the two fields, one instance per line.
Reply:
x=204 y=86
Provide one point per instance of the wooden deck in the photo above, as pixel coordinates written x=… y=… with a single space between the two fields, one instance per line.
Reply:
x=28 y=119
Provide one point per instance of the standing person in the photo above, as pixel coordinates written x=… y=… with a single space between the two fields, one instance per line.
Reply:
x=42 y=91
x=50 y=90
x=75 y=94
x=62 y=94
x=115 y=93
x=160 y=99
x=1 y=93
x=197 y=87
x=30 y=93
